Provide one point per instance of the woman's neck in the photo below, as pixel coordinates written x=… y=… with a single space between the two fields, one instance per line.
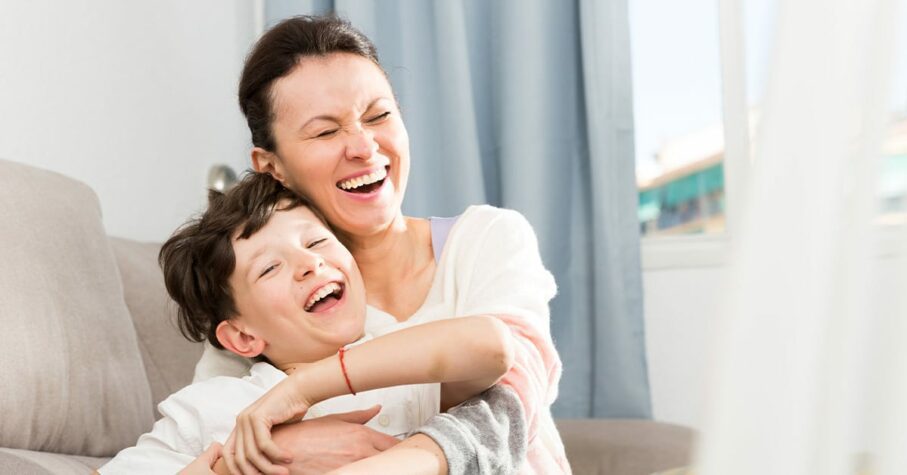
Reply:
x=396 y=264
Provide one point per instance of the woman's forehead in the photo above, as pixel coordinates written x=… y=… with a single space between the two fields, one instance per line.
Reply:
x=335 y=84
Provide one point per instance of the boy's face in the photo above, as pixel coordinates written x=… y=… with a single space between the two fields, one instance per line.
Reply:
x=297 y=289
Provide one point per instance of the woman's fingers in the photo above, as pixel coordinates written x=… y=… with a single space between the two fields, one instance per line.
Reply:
x=382 y=441
x=358 y=417
x=204 y=463
x=211 y=454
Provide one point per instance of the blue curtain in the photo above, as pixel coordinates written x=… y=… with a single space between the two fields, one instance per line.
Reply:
x=527 y=105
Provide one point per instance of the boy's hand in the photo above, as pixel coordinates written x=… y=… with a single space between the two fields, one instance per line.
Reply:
x=250 y=449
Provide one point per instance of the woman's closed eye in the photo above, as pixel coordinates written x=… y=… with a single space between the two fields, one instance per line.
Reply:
x=326 y=133
x=379 y=117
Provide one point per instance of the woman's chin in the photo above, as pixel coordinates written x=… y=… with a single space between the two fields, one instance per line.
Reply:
x=364 y=219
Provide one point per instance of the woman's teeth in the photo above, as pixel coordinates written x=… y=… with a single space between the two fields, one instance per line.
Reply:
x=373 y=177
x=322 y=293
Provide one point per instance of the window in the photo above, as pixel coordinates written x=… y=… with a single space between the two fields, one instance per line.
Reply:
x=678 y=116
x=700 y=71
x=893 y=167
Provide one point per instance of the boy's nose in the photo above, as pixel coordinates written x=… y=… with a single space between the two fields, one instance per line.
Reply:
x=310 y=264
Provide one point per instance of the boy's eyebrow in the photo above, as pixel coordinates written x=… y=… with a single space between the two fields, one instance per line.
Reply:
x=255 y=255
x=305 y=226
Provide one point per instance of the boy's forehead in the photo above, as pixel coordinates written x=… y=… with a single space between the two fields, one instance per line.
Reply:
x=295 y=221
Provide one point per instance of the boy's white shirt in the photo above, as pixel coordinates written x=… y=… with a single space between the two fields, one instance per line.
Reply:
x=206 y=411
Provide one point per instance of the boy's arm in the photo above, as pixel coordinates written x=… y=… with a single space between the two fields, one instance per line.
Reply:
x=468 y=354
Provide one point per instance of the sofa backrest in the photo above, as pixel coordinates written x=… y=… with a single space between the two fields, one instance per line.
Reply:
x=168 y=357
x=70 y=365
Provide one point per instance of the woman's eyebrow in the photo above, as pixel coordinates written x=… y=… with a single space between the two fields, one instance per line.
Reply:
x=331 y=118
x=326 y=117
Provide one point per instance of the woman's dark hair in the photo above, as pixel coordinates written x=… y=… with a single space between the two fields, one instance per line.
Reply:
x=198 y=259
x=276 y=54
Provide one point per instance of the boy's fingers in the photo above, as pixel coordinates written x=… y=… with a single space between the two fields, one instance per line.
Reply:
x=359 y=417
x=229 y=454
x=253 y=452
x=242 y=462
x=267 y=445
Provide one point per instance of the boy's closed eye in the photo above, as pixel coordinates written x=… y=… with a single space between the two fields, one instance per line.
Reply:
x=315 y=243
x=268 y=269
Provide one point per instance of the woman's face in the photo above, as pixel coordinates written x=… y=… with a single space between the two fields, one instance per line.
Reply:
x=340 y=141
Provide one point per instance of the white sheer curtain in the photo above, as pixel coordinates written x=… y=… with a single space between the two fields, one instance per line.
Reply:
x=810 y=373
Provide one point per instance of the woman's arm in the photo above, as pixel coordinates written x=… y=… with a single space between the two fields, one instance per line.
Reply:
x=417 y=455
x=486 y=434
x=469 y=354
x=499 y=272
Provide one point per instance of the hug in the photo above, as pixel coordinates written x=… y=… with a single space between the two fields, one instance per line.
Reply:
x=317 y=296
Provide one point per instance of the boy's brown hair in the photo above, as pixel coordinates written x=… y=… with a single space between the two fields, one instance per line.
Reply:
x=198 y=259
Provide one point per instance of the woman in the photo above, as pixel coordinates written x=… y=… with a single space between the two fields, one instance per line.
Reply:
x=326 y=124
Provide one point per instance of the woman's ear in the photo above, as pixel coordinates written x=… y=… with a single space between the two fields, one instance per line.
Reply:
x=238 y=341
x=264 y=161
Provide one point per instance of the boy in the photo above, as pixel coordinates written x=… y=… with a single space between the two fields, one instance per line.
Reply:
x=261 y=275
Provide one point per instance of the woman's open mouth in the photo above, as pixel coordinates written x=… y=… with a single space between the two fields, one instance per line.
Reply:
x=365 y=184
x=325 y=297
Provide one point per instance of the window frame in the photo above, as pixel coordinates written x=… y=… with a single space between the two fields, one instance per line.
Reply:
x=711 y=250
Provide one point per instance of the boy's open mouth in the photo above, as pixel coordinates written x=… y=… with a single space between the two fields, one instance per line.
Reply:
x=324 y=297
x=365 y=183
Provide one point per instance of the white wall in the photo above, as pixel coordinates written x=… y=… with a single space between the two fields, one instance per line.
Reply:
x=135 y=98
x=683 y=307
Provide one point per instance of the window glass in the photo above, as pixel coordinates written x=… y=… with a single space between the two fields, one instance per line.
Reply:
x=760 y=22
x=893 y=169
x=677 y=111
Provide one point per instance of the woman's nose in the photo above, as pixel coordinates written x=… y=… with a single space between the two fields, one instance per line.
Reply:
x=307 y=265
x=360 y=144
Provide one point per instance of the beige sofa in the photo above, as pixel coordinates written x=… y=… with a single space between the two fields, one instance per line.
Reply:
x=90 y=345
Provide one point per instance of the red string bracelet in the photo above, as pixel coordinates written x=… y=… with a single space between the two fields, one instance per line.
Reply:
x=343 y=368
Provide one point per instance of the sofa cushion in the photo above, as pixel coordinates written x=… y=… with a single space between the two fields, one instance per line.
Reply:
x=27 y=462
x=624 y=446
x=73 y=380
x=169 y=358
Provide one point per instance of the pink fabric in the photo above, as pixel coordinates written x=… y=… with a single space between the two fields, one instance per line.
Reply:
x=534 y=377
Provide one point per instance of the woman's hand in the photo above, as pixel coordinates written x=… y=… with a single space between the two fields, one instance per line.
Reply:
x=204 y=464
x=250 y=449
x=330 y=442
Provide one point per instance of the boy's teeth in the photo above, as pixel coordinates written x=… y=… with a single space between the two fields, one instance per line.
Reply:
x=378 y=175
x=322 y=293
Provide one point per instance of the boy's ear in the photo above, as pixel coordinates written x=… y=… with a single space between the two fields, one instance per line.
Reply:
x=237 y=341
x=264 y=161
